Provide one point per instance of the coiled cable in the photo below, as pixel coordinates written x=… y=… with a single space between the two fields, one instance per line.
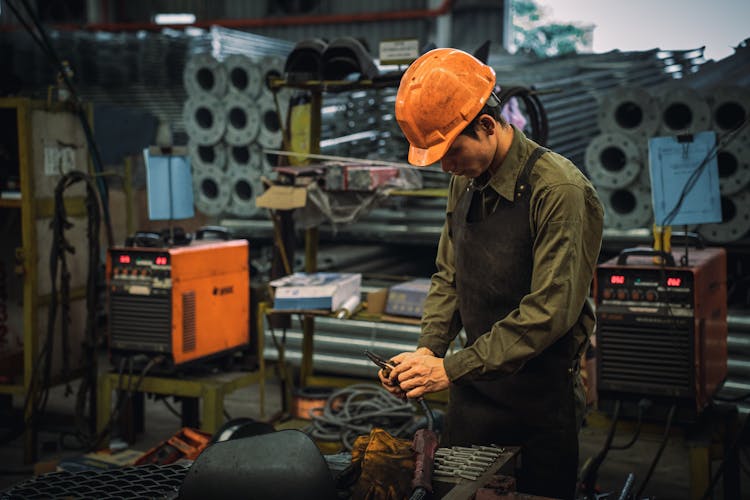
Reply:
x=533 y=109
x=355 y=410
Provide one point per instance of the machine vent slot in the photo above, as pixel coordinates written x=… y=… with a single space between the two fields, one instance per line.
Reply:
x=643 y=360
x=188 y=321
x=142 y=322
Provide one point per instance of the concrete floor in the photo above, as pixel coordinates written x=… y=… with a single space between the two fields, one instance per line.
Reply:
x=671 y=479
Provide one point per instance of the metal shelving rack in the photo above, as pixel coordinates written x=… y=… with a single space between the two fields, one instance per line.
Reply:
x=40 y=129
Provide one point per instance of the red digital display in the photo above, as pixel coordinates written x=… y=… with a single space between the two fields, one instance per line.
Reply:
x=124 y=259
x=161 y=261
x=617 y=279
x=674 y=281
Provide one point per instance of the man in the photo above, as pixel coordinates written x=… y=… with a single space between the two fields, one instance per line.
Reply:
x=514 y=267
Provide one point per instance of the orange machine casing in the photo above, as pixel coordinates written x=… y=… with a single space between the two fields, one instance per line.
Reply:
x=188 y=302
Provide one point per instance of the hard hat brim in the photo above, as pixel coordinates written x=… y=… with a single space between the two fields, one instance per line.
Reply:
x=423 y=157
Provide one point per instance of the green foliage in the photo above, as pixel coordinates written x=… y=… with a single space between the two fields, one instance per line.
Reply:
x=534 y=34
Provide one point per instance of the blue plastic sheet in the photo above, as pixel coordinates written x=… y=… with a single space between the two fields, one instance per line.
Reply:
x=684 y=164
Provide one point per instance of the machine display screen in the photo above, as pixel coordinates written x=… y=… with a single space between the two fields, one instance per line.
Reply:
x=140 y=260
x=617 y=279
x=673 y=281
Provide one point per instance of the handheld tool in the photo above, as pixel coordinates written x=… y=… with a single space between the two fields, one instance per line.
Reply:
x=383 y=363
x=425 y=440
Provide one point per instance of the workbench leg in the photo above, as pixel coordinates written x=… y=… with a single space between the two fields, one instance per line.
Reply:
x=132 y=417
x=213 y=410
x=700 y=469
x=262 y=370
x=190 y=412
x=30 y=440
x=103 y=402
x=306 y=363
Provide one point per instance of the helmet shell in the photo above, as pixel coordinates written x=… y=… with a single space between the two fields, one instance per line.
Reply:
x=439 y=94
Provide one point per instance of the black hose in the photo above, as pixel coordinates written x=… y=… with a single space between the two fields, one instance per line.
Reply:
x=663 y=444
x=534 y=110
x=589 y=479
x=642 y=404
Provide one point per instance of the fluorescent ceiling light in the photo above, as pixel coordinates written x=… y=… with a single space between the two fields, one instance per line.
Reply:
x=174 y=18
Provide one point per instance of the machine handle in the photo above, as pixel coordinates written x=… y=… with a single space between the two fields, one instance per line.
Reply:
x=648 y=252
x=694 y=238
x=219 y=230
x=145 y=239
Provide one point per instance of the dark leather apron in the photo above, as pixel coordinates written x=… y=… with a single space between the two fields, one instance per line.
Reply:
x=533 y=408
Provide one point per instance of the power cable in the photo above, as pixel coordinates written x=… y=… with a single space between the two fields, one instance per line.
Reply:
x=690 y=183
x=40 y=379
x=663 y=444
x=643 y=404
x=42 y=39
x=591 y=470
x=171 y=408
x=94 y=443
x=356 y=410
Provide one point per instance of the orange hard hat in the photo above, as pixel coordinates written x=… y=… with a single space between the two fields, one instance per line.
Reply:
x=440 y=93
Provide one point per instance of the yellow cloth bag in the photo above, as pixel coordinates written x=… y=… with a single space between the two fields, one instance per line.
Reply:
x=387 y=466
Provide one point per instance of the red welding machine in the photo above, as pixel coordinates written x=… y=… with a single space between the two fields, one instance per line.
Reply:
x=662 y=329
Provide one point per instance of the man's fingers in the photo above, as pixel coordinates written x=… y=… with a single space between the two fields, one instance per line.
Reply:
x=416 y=393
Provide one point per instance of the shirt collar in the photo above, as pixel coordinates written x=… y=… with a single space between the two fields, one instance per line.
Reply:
x=504 y=180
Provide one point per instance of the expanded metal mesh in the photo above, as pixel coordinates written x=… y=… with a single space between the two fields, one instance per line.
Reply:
x=146 y=481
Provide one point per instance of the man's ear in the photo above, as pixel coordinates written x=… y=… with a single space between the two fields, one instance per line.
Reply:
x=487 y=124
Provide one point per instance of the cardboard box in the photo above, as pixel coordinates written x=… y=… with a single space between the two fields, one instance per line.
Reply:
x=302 y=291
x=376 y=301
x=407 y=299
x=282 y=198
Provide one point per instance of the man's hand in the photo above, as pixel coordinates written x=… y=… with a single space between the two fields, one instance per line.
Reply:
x=388 y=385
x=416 y=374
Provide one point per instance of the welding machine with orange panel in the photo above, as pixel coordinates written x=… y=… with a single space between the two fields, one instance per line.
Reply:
x=188 y=303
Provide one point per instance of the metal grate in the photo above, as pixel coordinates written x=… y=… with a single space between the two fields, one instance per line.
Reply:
x=146 y=481
x=188 y=321
x=140 y=321
x=646 y=360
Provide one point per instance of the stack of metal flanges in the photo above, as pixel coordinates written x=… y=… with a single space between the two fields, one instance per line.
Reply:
x=617 y=160
x=231 y=115
x=465 y=462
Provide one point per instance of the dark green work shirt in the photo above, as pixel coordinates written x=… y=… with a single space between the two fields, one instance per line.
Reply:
x=565 y=219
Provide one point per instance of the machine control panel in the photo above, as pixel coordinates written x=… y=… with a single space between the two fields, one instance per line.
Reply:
x=639 y=291
x=137 y=272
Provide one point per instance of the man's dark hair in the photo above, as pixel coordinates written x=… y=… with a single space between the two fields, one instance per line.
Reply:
x=492 y=108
